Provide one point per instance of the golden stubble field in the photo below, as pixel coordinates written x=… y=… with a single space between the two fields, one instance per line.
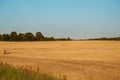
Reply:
x=75 y=60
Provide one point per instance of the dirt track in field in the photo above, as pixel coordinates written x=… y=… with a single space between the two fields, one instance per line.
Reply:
x=76 y=60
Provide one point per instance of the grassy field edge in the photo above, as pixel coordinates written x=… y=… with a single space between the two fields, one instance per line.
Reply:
x=8 y=72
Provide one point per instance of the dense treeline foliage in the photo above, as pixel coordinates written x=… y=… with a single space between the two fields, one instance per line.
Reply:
x=13 y=36
x=105 y=38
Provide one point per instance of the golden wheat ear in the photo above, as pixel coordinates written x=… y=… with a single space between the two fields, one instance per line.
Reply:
x=4 y=51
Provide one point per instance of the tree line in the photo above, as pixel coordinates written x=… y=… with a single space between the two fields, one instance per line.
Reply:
x=13 y=36
x=105 y=38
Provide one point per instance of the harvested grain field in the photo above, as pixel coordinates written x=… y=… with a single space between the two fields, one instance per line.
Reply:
x=74 y=60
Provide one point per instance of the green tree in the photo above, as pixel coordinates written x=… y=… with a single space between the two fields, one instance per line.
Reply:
x=21 y=37
x=29 y=36
x=5 y=37
x=68 y=38
x=0 y=37
x=39 y=36
x=13 y=36
x=52 y=38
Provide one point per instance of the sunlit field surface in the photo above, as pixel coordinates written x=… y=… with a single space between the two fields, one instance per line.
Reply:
x=73 y=60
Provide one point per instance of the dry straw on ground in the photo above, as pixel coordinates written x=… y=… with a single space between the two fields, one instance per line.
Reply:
x=75 y=60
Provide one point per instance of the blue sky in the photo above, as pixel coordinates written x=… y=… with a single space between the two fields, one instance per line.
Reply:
x=61 y=18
